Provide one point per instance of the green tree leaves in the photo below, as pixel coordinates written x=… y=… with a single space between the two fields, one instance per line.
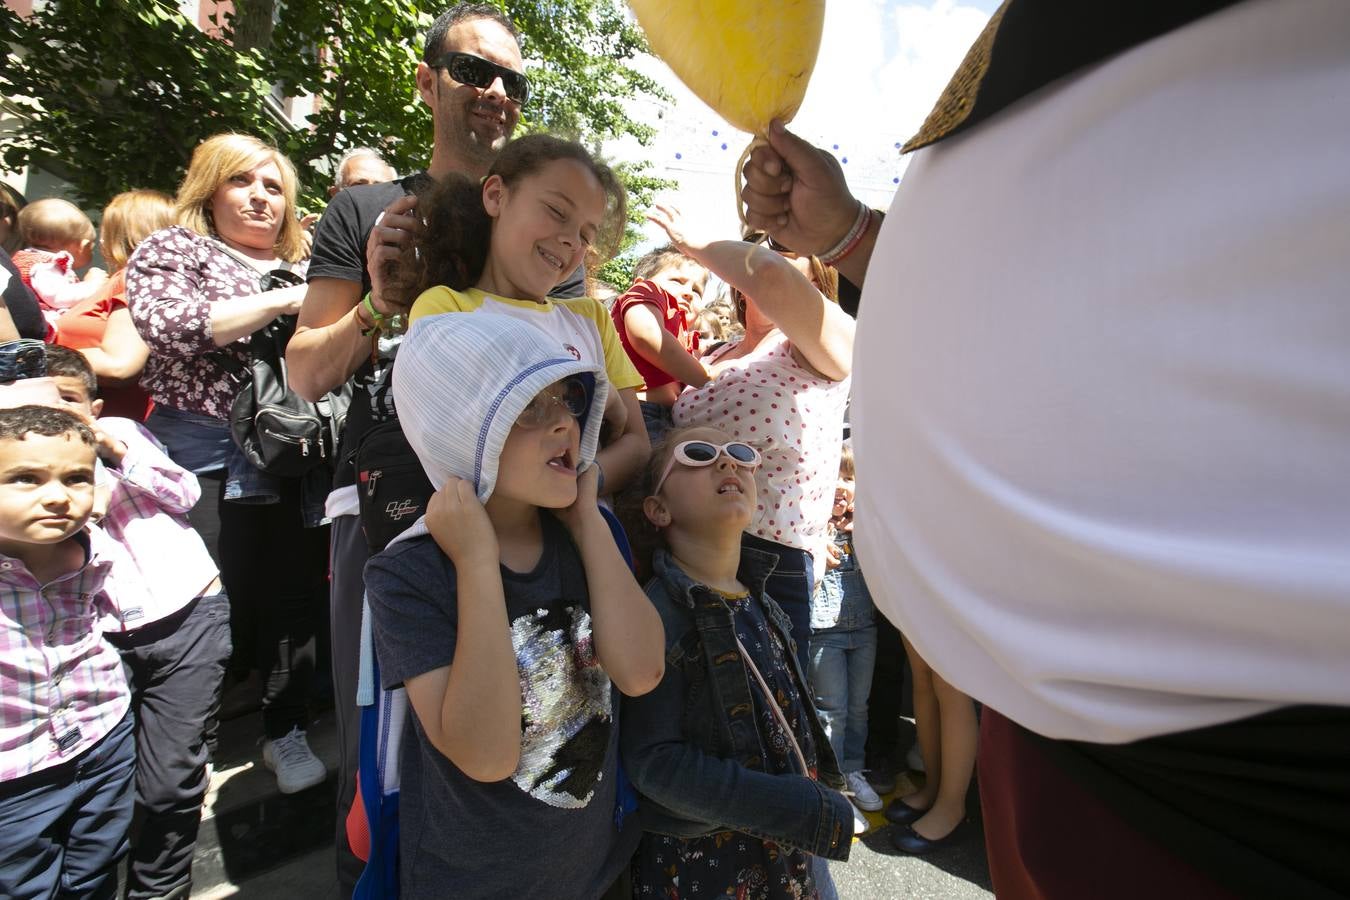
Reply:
x=114 y=94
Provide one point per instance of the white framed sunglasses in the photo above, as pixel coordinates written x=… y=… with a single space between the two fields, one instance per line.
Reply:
x=696 y=454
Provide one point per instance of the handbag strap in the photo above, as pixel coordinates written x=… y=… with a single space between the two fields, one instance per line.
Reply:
x=224 y=359
x=773 y=705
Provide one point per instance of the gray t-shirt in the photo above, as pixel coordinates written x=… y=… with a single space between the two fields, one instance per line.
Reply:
x=548 y=830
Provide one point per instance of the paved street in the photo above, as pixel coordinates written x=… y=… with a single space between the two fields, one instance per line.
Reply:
x=258 y=845
x=877 y=871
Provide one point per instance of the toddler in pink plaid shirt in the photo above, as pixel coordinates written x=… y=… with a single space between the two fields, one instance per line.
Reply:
x=66 y=749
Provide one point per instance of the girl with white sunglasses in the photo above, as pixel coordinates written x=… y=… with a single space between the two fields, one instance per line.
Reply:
x=740 y=788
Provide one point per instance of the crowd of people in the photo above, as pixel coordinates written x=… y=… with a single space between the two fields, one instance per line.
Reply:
x=602 y=552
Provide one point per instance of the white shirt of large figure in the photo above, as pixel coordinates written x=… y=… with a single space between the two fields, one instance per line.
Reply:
x=1102 y=390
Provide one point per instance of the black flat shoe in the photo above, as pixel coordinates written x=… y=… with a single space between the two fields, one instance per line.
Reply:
x=901 y=813
x=907 y=840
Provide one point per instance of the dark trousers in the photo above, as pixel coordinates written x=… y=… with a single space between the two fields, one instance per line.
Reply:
x=1048 y=837
x=790 y=586
x=175 y=667
x=63 y=829
x=1251 y=808
x=884 y=707
x=347 y=591
x=276 y=573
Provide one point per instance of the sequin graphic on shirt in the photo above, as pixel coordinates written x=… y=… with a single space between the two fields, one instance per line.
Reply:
x=565 y=707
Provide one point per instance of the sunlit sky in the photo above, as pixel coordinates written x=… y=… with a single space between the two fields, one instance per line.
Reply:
x=882 y=65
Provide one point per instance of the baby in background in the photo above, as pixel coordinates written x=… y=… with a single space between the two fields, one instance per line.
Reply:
x=58 y=239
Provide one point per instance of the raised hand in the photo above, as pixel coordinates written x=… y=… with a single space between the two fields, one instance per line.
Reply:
x=109 y=448
x=797 y=193
x=672 y=223
x=307 y=234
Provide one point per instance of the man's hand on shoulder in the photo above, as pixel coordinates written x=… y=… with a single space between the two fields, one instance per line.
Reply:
x=394 y=229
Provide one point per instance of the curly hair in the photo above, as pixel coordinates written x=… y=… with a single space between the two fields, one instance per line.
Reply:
x=48 y=421
x=452 y=248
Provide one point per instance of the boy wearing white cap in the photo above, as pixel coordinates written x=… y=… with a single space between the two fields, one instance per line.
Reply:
x=509 y=615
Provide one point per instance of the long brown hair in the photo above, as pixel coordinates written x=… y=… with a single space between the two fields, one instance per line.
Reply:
x=643 y=536
x=452 y=248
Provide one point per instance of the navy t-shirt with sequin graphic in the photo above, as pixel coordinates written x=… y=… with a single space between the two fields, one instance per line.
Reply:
x=548 y=830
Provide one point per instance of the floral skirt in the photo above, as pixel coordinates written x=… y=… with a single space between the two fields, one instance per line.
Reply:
x=724 y=864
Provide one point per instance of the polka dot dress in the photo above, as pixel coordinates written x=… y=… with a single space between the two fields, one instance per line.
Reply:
x=795 y=419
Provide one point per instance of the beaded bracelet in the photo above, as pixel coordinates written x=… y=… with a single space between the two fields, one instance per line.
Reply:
x=852 y=239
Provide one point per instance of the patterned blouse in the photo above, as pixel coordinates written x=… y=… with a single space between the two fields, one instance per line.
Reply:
x=731 y=863
x=172 y=279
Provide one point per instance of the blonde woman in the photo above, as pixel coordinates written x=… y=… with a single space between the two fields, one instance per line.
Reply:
x=197 y=291
x=101 y=327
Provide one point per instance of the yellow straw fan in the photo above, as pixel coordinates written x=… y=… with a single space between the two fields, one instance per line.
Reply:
x=750 y=61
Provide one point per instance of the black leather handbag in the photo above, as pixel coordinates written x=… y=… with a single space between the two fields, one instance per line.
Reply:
x=280 y=432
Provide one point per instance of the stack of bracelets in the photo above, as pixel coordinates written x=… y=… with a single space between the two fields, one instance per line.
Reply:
x=850 y=241
x=378 y=320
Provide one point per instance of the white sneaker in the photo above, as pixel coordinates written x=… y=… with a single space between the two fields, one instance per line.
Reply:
x=864 y=796
x=296 y=765
x=860 y=823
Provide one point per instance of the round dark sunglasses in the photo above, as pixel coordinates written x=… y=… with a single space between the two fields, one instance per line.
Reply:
x=568 y=396
x=480 y=73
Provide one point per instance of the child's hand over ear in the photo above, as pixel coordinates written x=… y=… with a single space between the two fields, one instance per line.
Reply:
x=460 y=525
x=586 y=508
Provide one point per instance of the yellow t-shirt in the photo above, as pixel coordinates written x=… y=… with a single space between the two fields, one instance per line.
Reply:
x=582 y=324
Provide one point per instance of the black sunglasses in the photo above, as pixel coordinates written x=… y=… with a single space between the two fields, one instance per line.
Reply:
x=480 y=73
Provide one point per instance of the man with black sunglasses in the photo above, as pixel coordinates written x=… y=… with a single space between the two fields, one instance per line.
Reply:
x=472 y=78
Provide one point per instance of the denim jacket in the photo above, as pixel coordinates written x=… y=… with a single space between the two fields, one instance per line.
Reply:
x=691 y=746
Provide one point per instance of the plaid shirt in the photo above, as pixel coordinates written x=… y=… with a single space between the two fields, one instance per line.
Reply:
x=147 y=515
x=61 y=685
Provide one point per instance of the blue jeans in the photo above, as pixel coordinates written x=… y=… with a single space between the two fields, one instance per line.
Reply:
x=196 y=442
x=841 y=679
x=64 y=829
x=658 y=420
x=790 y=587
x=843 y=650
